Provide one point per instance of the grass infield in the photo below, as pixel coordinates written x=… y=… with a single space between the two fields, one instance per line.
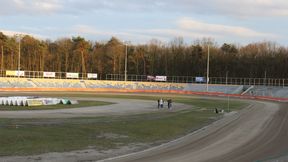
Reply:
x=36 y=136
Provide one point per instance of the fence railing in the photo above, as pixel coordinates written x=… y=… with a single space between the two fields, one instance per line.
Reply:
x=212 y=80
x=40 y=74
x=283 y=82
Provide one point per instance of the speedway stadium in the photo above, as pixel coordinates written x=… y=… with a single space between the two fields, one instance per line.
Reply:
x=118 y=120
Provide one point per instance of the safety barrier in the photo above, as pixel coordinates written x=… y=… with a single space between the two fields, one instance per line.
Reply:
x=33 y=101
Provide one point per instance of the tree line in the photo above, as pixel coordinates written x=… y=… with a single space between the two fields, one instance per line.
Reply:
x=176 y=58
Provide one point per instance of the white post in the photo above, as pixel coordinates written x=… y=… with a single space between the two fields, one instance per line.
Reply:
x=227 y=77
x=228 y=95
x=265 y=76
x=207 y=79
x=228 y=103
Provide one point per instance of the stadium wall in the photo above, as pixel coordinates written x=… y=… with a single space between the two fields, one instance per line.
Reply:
x=46 y=85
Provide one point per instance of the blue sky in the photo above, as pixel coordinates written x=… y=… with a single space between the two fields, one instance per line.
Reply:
x=139 y=21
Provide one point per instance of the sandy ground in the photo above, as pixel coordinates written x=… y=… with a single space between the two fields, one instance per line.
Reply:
x=254 y=133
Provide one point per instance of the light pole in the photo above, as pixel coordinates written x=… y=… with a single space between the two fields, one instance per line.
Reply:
x=2 y=58
x=126 y=51
x=207 y=80
x=126 y=59
x=19 y=56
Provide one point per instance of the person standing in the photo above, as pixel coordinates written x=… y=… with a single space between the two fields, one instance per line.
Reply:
x=216 y=110
x=158 y=103
x=161 y=103
x=169 y=101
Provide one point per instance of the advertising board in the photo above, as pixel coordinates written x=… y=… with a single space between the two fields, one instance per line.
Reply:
x=34 y=102
x=49 y=74
x=14 y=73
x=161 y=78
x=92 y=75
x=200 y=79
x=150 y=77
x=72 y=75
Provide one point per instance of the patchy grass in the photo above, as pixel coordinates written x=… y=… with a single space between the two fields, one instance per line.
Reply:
x=35 y=136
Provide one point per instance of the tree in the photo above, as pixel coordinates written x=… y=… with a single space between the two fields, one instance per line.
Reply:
x=82 y=47
x=65 y=50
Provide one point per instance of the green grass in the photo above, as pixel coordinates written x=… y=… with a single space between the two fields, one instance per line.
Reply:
x=35 y=136
x=51 y=107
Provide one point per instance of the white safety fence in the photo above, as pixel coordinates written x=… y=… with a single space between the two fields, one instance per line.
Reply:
x=33 y=101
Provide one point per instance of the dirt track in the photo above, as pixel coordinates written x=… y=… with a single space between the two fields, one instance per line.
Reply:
x=254 y=133
x=121 y=107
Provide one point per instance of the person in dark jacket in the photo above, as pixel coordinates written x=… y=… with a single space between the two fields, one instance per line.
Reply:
x=169 y=101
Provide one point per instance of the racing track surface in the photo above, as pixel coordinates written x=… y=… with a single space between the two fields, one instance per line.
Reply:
x=121 y=107
x=254 y=133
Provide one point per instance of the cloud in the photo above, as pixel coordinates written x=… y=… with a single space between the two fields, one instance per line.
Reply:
x=219 y=29
x=86 y=30
x=11 y=33
x=242 y=8
x=187 y=28
x=29 y=7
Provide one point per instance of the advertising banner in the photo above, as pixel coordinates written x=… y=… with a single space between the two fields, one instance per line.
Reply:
x=20 y=73
x=72 y=75
x=10 y=73
x=92 y=76
x=49 y=74
x=34 y=102
x=51 y=101
x=150 y=77
x=161 y=78
x=14 y=73
x=200 y=79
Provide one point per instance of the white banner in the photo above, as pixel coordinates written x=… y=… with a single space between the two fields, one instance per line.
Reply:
x=92 y=75
x=15 y=73
x=161 y=78
x=200 y=79
x=20 y=73
x=150 y=77
x=72 y=75
x=49 y=74
x=10 y=73
x=34 y=102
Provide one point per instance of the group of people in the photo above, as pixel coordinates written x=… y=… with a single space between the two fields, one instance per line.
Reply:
x=161 y=103
x=219 y=110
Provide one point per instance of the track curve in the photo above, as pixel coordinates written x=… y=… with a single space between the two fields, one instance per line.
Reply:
x=255 y=133
x=120 y=107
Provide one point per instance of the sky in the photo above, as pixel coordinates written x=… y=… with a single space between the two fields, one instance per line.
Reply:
x=139 y=21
